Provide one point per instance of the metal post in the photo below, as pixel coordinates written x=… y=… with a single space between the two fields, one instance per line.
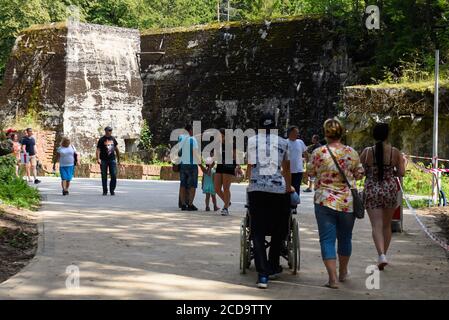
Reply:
x=437 y=177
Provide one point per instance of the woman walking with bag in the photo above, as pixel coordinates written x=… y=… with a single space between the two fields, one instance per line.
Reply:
x=334 y=210
x=383 y=164
x=68 y=158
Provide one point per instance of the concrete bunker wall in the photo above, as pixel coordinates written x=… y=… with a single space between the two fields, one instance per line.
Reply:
x=227 y=75
x=34 y=82
x=75 y=79
x=103 y=84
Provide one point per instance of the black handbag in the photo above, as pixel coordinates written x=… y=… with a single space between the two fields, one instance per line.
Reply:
x=75 y=157
x=357 y=197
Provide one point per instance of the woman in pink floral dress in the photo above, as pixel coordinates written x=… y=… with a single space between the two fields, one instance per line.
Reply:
x=382 y=163
x=333 y=199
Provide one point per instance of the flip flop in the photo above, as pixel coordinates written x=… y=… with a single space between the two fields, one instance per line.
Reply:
x=331 y=286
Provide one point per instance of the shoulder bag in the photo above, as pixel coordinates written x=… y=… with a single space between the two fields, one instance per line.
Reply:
x=358 y=207
x=75 y=156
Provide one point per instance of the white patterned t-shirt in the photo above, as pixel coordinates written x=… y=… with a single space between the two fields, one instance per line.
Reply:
x=266 y=153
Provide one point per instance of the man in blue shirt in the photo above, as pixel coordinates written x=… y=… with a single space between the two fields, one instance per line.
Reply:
x=29 y=148
x=188 y=169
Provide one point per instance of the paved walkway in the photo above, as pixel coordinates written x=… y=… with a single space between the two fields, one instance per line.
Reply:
x=138 y=245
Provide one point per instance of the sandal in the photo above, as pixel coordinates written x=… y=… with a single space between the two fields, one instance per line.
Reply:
x=331 y=285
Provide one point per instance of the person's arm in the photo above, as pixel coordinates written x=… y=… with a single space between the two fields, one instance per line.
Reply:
x=364 y=156
x=286 y=172
x=98 y=152
x=287 y=176
x=311 y=170
x=196 y=154
x=35 y=150
x=117 y=151
x=98 y=156
x=250 y=158
x=78 y=160
x=56 y=160
x=402 y=163
x=358 y=171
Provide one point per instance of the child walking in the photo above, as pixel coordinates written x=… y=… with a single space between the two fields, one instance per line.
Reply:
x=208 y=184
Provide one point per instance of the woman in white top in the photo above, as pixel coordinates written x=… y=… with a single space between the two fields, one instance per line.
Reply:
x=66 y=155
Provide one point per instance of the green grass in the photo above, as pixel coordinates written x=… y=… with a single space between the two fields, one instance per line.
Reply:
x=416 y=204
x=419 y=183
x=17 y=193
x=14 y=190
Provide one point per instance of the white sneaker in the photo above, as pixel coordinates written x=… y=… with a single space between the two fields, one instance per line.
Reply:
x=382 y=262
x=225 y=212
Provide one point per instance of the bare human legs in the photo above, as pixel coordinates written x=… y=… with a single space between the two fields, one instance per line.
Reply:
x=343 y=267
x=222 y=183
x=214 y=201
x=331 y=267
x=381 y=225
x=65 y=186
x=28 y=171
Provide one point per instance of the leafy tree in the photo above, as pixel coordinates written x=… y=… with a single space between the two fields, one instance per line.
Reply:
x=145 y=137
x=410 y=28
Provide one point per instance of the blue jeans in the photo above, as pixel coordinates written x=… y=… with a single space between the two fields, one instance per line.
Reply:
x=296 y=182
x=112 y=165
x=333 y=225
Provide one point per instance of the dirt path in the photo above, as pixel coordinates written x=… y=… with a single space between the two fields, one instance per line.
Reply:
x=138 y=245
x=18 y=240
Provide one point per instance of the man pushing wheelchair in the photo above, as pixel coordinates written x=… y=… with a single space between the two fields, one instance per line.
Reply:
x=269 y=197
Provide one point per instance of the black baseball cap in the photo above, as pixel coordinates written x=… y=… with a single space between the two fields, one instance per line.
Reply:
x=108 y=128
x=267 y=121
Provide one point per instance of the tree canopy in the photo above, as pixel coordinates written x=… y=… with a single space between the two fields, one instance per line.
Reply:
x=410 y=28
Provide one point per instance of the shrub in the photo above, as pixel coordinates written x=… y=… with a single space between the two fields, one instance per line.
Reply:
x=18 y=193
x=7 y=168
x=14 y=190
x=145 y=137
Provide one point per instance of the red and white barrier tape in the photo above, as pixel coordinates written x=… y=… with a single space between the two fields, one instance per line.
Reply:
x=433 y=170
x=426 y=158
x=442 y=243
x=429 y=170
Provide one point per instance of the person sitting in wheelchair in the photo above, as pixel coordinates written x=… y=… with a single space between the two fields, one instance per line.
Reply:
x=268 y=196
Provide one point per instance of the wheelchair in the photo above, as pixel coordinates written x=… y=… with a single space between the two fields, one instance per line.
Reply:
x=290 y=250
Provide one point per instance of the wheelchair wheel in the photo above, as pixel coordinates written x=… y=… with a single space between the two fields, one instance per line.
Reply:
x=245 y=246
x=295 y=246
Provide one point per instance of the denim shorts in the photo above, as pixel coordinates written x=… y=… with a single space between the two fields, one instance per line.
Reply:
x=188 y=174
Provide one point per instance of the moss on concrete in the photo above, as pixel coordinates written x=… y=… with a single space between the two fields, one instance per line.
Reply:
x=421 y=86
x=226 y=25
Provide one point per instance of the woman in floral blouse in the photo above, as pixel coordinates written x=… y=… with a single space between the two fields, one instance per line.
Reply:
x=333 y=199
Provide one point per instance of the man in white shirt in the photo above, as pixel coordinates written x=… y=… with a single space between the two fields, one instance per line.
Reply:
x=296 y=148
